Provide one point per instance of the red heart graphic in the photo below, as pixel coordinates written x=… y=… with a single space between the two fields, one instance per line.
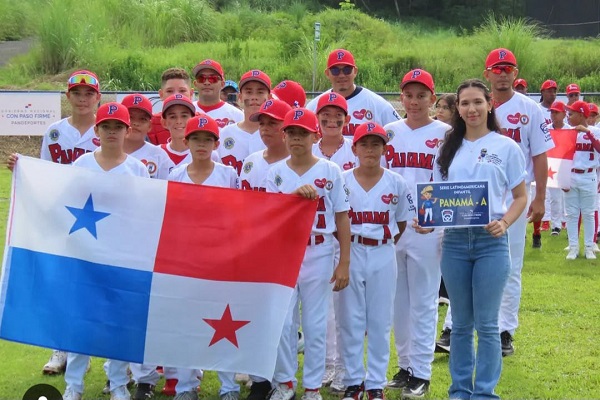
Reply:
x=96 y=141
x=514 y=119
x=348 y=165
x=432 y=143
x=144 y=161
x=359 y=114
x=387 y=198
x=320 y=183
x=222 y=122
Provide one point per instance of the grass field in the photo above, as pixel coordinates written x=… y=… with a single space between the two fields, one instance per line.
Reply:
x=557 y=354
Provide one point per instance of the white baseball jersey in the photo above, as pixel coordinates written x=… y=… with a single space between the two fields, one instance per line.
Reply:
x=237 y=144
x=363 y=106
x=254 y=172
x=326 y=178
x=492 y=158
x=131 y=166
x=545 y=113
x=343 y=157
x=223 y=113
x=156 y=160
x=375 y=214
x=522 y=120
x=585 y=156
x=63 y=143
x=221 y=176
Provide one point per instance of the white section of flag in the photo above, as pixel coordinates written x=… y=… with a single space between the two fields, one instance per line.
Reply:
x=559 y=173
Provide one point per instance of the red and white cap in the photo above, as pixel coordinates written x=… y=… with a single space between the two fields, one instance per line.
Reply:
x=274 y=108
x=114 y=111
x=334 y=100
x=291 y=92
x=302 y=117
x=202 y=123
x=581 y=107
x=178 y=99
x=573 y=88
x=83 y=78
x=369 y=128
x=558 y=106
x=209 y=64
x=255 y=75
x=500 y=57
x=340 y=57
x=520 y=82
x=549 y=84
x=418 y=76
x=593 y=108
x=137 y=101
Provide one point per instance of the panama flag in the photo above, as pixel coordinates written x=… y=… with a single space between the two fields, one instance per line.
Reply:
x=560 y=158
x=150 y=271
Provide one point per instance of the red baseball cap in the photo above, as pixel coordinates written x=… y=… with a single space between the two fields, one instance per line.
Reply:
x=558 y=106
x=83 y=78
x=520 y=82
x=302 y=117
x=274 y=108
x=580 y=106
x=500 y=57
x=255 y=75
x=593 y=108
x=291 y=92
x=202 y=123
x=178 y=99
x=137 y=101
x=549 y=84
x=369 y=128
x=334 y=100
x=573 y=88
x=114 y=111
x=418 y=76
x=340 y=57
x=209 y=64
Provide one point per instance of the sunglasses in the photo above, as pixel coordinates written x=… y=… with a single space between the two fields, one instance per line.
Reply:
x=209 y=78
x=347 y=70
x=573 y=95
x=83 y=78
x=498 y=69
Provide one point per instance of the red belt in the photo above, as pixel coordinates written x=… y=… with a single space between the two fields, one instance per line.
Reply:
x=582 y=171
x=315 y=240
x=366 y=241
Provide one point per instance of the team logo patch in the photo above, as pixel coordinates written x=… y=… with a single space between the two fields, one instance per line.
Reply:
x=278 y=180
x=320 y=183
x=447 y=215
x=229 y=143
x=395 y=200
x=223 y=122
x=482 y=154
x=387 y=198
x=524 y=119
x=151 y=165
x=514 y=118
x=248 y=167
x=96 y=141
x=54 y=135
x=390 y=134
x=328 y=185
x=432 y=143
x=347 y=191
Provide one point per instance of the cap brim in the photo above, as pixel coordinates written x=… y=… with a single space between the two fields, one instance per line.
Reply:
x=108 y=118
x=140 y=108
x=242 y=83
x=190 y=106
x=415 y=81
x=95 y=87
x=199 y=68
x=256 y=116
x=201 y=130
x=385 y=138
x=300 y=126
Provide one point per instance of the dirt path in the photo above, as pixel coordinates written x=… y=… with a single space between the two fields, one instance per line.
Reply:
x=10 y=49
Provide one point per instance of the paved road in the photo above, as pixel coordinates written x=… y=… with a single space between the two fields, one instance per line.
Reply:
x=10 y=49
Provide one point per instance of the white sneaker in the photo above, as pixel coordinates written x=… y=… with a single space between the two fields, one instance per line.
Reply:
x=567 y=248
x=573 y=253
x=589 y=253
x=56 y=364
x=328 y=376
x=71 y=395
x=120 y=393
x=282 y=392
x=596 y=248
x=337 y=385
x=311 y=395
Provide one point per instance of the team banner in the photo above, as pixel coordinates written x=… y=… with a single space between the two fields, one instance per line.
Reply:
x=150 y=271
x=25 y=114
x=560 y=158
x=453 y=204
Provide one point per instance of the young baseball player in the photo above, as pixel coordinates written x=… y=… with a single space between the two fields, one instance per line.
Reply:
x=177 y=110
x=209 y=82
x=581 y=197
x=173 y=81
x=555 y=196
x=548 y=91
x=316 y=179
x=573 y=93
x=363 y=104
x=112 y=125
x=154 y=158
x=380 y=205
x=240 y=140
x=520 y=85
x=202 y=137
x=411 y=152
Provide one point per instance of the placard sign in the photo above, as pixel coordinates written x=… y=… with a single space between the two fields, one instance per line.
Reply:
x=24 y=113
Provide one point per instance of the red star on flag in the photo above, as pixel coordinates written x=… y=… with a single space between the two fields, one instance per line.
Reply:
x=551 y=173
x=225 y=327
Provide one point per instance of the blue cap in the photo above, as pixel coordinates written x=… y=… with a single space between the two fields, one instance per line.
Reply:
x=232 y=84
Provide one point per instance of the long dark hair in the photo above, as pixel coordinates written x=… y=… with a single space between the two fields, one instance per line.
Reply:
x=454 y=137
x=450 y=99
